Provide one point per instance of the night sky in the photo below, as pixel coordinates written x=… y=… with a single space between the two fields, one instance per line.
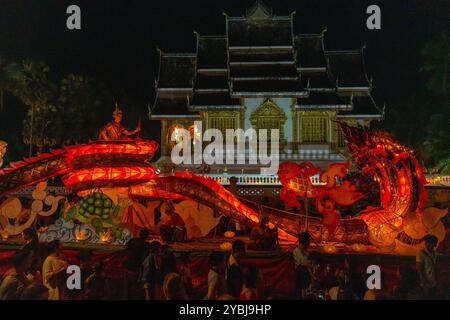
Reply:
x=117 y=43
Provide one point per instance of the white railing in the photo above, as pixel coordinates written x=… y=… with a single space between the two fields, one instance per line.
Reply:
x=434 y=180
x=438 y=180
x=252 y=179
x=271 y=180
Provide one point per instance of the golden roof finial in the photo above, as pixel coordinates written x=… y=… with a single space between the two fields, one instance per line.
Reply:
x=117 y=109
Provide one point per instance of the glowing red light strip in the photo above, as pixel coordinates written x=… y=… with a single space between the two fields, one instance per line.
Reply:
x=135 y=147
x=109 y=173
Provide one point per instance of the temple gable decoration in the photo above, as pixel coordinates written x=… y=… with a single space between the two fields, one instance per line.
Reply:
x=269 y=116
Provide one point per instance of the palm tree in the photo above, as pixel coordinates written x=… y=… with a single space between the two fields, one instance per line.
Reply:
x=33 y=87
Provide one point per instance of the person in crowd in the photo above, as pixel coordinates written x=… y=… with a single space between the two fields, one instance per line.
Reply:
x=384 y=293
x=426 y=266
x=344 y=290
x=35 y=291
x=173 y=287
x=185 y=273
x=31 y=240
x=302 y=264
x=278 y=296
x=16 y=281
x=408 y=287
x=32 y=244
x=172 y=228
x=249 y=290
x=136 y=249
x=317 y=271
x=54 y=272
x=150 y=273
x=34 y=272
x=264 y=237
x=84 y=261
x=357 y=281
x=233 y=273
x=216 y=278
x=157 y=213
x=168 y=261
x=226 y=296
x=96 y=285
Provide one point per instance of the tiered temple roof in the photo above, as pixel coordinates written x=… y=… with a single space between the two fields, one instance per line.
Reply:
x=309 y=51
x=261 y=56
x=174 y=85
x=211 y=88
x=347 y=68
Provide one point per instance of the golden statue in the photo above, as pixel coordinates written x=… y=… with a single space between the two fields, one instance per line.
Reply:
x=3 y=146
x=114 y=130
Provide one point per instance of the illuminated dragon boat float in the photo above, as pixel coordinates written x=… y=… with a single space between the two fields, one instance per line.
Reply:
x=113 y=187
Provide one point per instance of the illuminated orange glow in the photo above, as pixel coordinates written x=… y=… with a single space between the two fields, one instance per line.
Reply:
x=398 y=174
x=133 y=147
x=109 y=173
x=106 y=236
x=80 y=234
x=147 y=190
x=229 y=198
x=393 y=166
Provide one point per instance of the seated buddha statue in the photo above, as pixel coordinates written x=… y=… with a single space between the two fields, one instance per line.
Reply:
x=114 y=130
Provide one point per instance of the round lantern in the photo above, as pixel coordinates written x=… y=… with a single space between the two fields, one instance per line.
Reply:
x=229 y=234
x=226 y=246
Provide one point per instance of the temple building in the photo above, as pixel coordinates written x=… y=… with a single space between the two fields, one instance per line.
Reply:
x=261 y=74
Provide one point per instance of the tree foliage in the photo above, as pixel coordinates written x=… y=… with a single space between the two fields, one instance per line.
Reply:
x=83 y=105
x=31 y=84
x=434 y=143
x=56 y=115
x=437 y=60
x=434 y=146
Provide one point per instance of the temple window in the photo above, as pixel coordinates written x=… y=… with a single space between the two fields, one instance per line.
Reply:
x=313 y=128
x=222 y=120
x=269 y=116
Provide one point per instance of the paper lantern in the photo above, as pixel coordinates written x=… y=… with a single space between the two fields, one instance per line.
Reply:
x=106 y=236
x=357 y=247
x=4 y=234
x=229 y=234
x=80 y=234
x=226 y=246
x=330 y=248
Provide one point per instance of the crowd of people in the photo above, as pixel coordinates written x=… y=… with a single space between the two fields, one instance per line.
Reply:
x=313 y=280
x=152 y=271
